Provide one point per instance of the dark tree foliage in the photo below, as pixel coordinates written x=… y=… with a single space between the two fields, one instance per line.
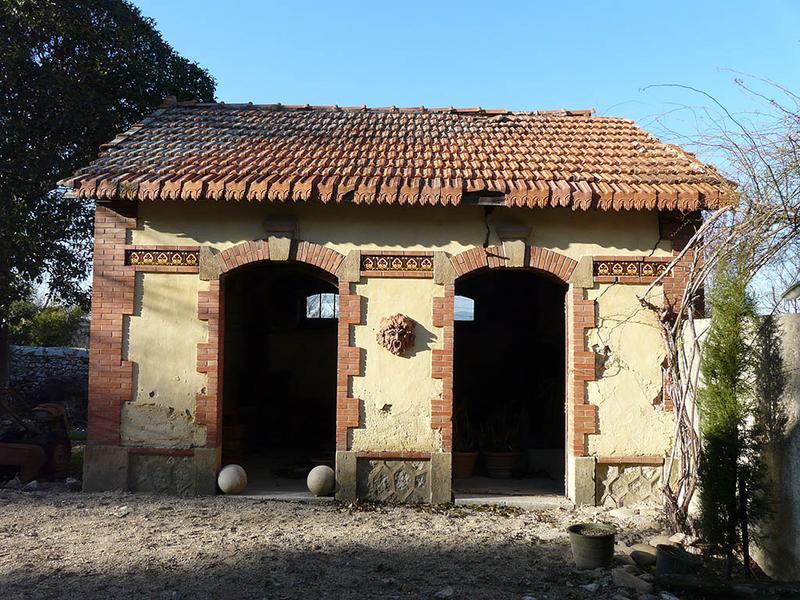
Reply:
x=732 y=468
x=72 y=75
x=771 y=417
x=54 y=325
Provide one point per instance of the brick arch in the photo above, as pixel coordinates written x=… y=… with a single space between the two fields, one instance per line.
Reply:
x=300 y=251
x=580 y=316
x=211 y=309
x=556 y=264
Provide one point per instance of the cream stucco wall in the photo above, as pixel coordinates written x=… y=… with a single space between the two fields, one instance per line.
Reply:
x=161 y=340
x=452 y=229
x=628 y=340
x=396 y=391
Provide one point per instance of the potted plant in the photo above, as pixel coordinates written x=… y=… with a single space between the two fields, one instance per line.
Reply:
x=465 y=448
x=592 y=544
x=500 y=442
x=674 y=560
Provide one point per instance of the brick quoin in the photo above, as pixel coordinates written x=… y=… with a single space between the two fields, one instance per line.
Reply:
x=113 y=285
x=581 y=416
x=208 y=412
x=442 y=366
x=580 y=316
x=210 y=354
x=678 y=229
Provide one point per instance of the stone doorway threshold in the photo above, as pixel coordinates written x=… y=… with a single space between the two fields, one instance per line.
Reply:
x=528 y=493
x=264 y=483
x=277 y=488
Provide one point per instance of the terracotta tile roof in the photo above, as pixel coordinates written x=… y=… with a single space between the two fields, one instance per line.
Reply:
x=403 y=156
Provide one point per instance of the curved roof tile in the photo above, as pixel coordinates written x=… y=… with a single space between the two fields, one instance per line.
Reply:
x=425 y=156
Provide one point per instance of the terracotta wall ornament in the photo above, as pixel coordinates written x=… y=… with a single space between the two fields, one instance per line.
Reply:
x=396 y=333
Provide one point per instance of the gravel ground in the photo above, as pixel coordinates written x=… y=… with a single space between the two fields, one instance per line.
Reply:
x=57 y=544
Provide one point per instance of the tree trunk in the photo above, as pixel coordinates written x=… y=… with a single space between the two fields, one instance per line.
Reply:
x=732 y=512
x=5 y=356
x=743 y=525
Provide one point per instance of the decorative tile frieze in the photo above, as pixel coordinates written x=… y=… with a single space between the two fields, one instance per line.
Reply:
x=628 y=269
x=162 y=258
x=399 y=264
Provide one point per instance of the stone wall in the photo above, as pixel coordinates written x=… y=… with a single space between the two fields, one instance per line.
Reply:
x=51 y=375
x=779 y=555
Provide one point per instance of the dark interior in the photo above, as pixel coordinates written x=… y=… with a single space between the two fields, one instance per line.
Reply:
x=279 y=407
x=509 y=378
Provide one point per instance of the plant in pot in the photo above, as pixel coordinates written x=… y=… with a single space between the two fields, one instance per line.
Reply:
x=465 y=447
x=501 y=442
x=592 y=544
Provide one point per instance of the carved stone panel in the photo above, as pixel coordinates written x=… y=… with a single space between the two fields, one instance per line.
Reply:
x=394 y=480
x=626 y=485
x=161 y=474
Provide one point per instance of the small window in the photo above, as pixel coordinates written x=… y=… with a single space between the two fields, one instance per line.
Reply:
x=322 y=306
x=464 y=309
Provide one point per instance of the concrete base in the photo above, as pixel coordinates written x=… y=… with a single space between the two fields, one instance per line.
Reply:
x=105 y=468
x=346 y=476
x=441 y=478
x=581 y=487
x=376 y=479
x=113 y=468
x=207 y=462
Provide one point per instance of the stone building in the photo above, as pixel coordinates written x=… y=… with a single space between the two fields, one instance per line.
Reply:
x=284 y=285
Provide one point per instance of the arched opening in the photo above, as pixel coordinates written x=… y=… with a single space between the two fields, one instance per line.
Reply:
x=279 y=381
x=509 y=386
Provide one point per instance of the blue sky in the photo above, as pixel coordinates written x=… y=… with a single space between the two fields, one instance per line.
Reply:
x=515 y=55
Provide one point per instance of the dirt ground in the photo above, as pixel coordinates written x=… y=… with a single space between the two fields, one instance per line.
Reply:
x=57 y=544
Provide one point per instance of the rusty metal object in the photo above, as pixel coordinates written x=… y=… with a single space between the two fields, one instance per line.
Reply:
x=39 y=446
x=30 y=459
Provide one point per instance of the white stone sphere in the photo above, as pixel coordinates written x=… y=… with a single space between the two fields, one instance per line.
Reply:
x=321 y=480
x=232 y=479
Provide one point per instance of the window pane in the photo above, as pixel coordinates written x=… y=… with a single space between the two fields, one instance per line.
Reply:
x=464 y=309
x=322 y=306
x=312 y=307
x=326 y=307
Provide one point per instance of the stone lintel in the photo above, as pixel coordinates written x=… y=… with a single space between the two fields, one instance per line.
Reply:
x=583 y=275
x=281 y=231
x=350 y=269
x=515 y=251
x=443 y=272
x=280 y=247
x=210 y=268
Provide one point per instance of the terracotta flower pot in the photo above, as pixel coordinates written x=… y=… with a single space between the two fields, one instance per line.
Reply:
x=592 y=545
x=500 y=465
x=464 y=464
